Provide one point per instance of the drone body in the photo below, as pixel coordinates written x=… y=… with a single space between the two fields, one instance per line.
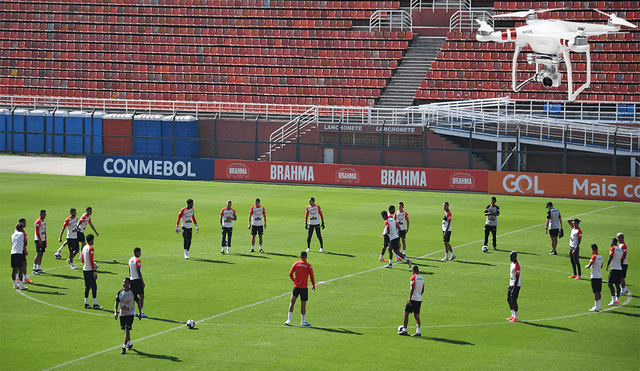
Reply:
x=551 y=42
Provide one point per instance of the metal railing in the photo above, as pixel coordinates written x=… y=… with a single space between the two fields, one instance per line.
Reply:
x=290 y=131
x=465 y=20
x=382 y=20
x=440 y=4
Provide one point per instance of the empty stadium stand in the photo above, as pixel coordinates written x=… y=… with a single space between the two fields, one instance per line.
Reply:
x=467 y=69
x=256 y=51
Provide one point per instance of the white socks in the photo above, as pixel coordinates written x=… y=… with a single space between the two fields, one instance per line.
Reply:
x=289 y=316
x=417 y=328
x=302 y=320
x=597 y=304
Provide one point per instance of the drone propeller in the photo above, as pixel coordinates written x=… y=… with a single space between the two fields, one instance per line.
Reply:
x=617 y=20
x=484 y=27
x=525 y=13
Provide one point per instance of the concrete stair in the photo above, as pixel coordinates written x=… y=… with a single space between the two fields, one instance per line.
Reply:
x=401 y=89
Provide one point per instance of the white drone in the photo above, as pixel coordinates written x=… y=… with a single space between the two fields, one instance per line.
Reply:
x=551 y=42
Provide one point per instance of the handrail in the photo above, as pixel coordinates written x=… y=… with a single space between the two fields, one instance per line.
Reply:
x=382 y=20
x=465 y=20
x=290 y=129
x=440 y=4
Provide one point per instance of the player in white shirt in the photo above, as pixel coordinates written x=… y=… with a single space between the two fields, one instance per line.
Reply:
x=595 y=264
x=85 y=220
x=552 y=226
x=625 y=265
x=126 y=299
x=491 y=224
x=446 y=233
x=40 y=241
x=616 y=256
x=71 y=223
x=227 y=216
x=514 y=286
x=391 y=230
x=312 y=218
x=26 y=279
x=90 y=274
x=135 y=274
x=188 y=218
x=402 y=219
x=17 y=257
x=574 y=247
x=415 y=301
x=257 y=223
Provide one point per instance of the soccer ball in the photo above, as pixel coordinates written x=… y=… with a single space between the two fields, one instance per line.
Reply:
x=400 y=328
x=191 y=323
x=485 y=248
x=57 y=255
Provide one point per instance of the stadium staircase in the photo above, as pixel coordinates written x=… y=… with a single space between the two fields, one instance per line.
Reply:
x=413 y=67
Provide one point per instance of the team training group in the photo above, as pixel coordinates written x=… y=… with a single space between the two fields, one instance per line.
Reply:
x=396 y=227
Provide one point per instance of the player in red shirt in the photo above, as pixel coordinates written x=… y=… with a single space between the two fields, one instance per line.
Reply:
x=300 y=273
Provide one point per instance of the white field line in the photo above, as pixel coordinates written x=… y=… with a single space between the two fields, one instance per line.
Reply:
x=331 y=280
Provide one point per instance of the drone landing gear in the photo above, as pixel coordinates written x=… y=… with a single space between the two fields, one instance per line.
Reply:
x=548 y=74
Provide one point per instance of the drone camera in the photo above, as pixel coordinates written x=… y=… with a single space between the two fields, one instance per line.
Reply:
x=549 y=79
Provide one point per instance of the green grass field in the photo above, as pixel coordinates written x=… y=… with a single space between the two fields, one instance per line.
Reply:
x=240 y=300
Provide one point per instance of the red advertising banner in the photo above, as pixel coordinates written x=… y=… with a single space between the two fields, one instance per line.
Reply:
x=593 y=187
x=367 y=176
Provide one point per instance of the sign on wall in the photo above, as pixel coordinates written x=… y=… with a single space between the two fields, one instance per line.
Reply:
x=356 y=175
x=593 y=187
x=150 y=167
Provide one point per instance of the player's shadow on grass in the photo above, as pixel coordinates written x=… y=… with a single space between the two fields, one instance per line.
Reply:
x=49 y=286
x=624 y=314
x=449 y=341
x=339 y=254
x=165 y=320
x=285 y=255
x=211 y=261
x=66 y=276
x=253 y=255
x=474 y=263
x=156 y=356
x=110 y=262
x=104 y=272
x=548 y=326
x=336 y=330
x=46 y=292
x=520 y=252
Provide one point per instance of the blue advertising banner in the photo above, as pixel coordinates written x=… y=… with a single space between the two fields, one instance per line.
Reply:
x=150 y=167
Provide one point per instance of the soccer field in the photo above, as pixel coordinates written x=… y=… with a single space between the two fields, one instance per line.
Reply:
x=240 y=300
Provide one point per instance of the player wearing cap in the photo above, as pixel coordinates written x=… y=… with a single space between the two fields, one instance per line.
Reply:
x=188 y=218
x=300 y=273
x=491 y=224
x=553 y=226
x=227 y=216
x=574 y=247
x=17 y=257
x=616 y=256
x=257 y=222
x=90 y=274
x=625 y=265
x=595 y=264
x=391 y=230
x=135 y=275
x=313 y=215
x=71 y=223
x=514 y=286
x=415 y=301
x=402 y=220
x=82 y=225
x=40 y=241
x=446 y=233
x=126 y=298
